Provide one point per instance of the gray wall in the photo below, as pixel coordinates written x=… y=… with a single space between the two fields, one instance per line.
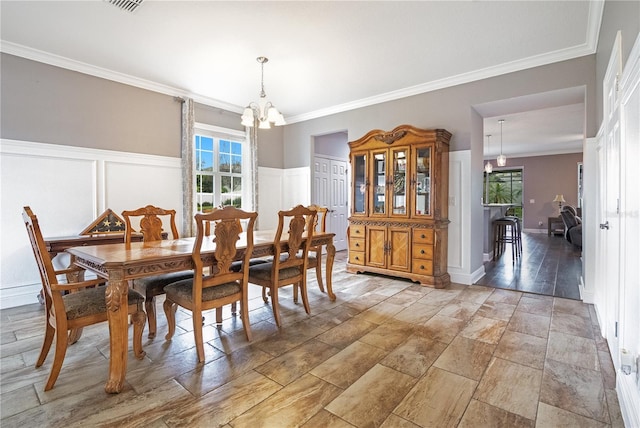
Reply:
x=544 y=177
x=618 y=15
x=46 y=104
x=448 y=108
x=334 y=145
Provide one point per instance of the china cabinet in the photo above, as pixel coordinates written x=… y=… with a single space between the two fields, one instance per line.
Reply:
x=399 y=213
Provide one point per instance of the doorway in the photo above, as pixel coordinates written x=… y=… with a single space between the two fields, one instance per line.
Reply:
x=330 y=188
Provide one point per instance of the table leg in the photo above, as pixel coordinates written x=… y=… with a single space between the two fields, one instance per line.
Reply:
x=331 y=253
x=117 y=314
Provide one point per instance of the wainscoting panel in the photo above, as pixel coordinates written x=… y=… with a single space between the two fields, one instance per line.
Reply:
x=67 y=188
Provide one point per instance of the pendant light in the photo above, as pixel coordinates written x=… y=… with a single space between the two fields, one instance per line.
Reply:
x=502 y=159
x=488 y=168
x=262 y=111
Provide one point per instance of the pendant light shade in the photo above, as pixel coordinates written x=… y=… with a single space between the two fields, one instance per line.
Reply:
x=488 y=168
x=501 y=159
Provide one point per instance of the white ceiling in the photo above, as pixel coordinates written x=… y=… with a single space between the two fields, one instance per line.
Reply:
x=325 y=56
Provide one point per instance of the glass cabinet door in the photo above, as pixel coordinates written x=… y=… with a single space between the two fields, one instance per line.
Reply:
x=423 y=170
x=360 y=184
x=379 y=183
x=399 y=189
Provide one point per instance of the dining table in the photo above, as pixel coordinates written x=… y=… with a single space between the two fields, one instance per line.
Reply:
x=120 y=263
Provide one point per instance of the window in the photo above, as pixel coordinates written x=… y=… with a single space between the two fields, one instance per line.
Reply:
x=505 y=187
x=220 y=170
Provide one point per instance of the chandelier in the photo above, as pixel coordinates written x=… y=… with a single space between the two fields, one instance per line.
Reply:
x=502 y=159
x=488 y=168
x=264 y=111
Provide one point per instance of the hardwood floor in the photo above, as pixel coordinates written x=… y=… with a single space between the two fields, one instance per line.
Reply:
x=549 y=265
x=387 y=353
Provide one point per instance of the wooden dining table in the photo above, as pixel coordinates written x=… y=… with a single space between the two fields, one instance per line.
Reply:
x=119 y=263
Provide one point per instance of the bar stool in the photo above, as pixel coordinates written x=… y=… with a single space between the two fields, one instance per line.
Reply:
x=518 y=230
x=506 y=230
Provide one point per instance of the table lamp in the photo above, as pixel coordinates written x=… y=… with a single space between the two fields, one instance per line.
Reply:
x=559 y=199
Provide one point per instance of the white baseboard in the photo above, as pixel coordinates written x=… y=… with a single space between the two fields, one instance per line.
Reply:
x=629 y=399
x=20 y=295
x=466 y=278
x=487 y=257
x=586 y=296
x=535 y=230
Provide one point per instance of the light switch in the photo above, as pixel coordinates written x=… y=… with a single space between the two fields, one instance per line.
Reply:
x=532 y=201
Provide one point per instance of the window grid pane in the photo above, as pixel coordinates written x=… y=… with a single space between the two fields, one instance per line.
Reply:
x=221 y=184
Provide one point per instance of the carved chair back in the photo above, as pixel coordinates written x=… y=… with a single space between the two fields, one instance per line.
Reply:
x=150 y=223
x=300 y=221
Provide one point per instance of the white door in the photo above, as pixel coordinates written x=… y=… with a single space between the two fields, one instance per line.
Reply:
x=330 y=189
x=610 y=220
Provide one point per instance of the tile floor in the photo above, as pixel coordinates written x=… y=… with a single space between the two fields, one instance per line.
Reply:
x=387 y=353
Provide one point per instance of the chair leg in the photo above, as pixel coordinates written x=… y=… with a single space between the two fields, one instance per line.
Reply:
x=274 y=304
x=244 y=316
x=197 y=334
x=305 y=300
x=139 y=319
x=150 y=307
x=234 y=308
x=170 y=312
x=219 y=315
x=46 y=344
x=264 y=294
x=295 y=293
x=319 y=271
x=58 y=358
x=74 y=335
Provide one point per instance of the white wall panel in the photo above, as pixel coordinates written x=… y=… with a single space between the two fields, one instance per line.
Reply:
x=459 y=265
x=67 y=188
x=270 y=185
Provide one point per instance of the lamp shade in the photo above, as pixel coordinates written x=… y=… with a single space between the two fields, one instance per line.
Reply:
x=559 y=198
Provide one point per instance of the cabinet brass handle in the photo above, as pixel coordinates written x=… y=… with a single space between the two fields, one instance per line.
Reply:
x=357 y=244
x=422 y=267
x=357 y=258
x=423 y=236
x=421 y=251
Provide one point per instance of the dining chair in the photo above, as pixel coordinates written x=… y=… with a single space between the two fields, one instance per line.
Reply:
x=290 y=260
x=315 y=258
x=214 y=285
x=72 y=305
x=151 y=229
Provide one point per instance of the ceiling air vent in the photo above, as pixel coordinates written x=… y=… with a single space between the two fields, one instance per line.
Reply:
x=126 y=5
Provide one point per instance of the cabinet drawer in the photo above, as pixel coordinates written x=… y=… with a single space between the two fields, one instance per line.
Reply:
x=356 y=257
x=423 y=251
x=356 y=244
x=422 y=267
x=356 y=231
x=423 y=236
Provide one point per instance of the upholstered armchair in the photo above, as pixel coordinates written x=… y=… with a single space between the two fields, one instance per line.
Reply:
x=572 y=225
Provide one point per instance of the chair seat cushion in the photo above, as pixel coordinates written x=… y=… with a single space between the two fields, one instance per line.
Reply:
x=151 y=286
x=91 y=301
x=236 y=266
x=184 y=290
x=263 y=272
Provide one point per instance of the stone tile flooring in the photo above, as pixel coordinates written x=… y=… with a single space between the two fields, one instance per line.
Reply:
x=387 y=353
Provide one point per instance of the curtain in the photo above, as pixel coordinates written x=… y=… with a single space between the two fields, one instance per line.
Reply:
x=252 y=139
x=187 y=167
